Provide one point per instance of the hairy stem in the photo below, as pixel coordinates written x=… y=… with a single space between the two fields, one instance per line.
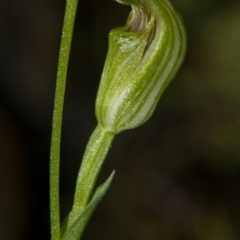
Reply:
x=98 y=146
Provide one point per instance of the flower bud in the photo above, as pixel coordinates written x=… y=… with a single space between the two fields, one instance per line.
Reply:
x=143 y=57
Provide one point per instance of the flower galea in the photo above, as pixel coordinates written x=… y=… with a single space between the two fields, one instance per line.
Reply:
x=143 y=57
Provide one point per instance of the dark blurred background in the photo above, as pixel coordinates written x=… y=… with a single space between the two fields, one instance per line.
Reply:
x=178 y=175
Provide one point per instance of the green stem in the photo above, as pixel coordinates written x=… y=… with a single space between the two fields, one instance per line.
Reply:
x=95 y=154
x=68 y=25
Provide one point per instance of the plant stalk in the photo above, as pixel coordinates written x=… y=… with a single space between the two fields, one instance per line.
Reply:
x=66 y=39
x=98 y=146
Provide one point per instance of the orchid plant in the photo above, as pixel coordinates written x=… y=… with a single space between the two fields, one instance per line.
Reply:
x=143 y=57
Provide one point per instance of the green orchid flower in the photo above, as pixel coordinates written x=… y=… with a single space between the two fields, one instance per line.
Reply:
x=142 y=59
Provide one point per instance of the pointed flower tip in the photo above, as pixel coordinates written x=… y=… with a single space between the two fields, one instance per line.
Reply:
x=142 y=59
